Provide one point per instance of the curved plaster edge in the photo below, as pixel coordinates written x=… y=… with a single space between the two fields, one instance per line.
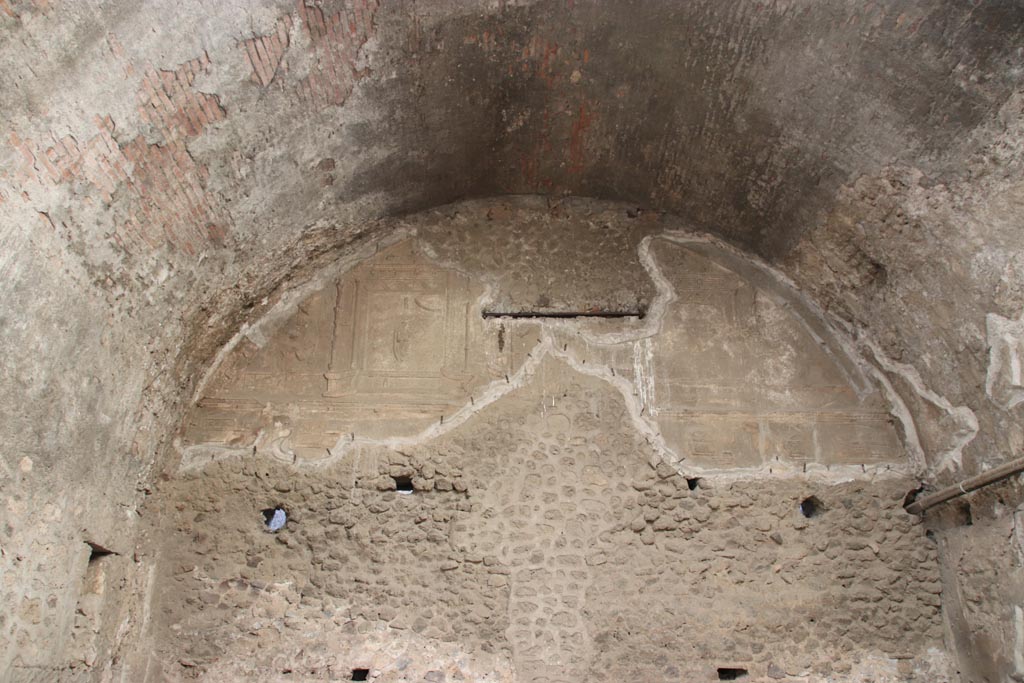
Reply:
x=965 y=421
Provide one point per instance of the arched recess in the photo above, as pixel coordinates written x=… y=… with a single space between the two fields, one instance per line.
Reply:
x=158 y=185
x=476 y=484
x=724 y=365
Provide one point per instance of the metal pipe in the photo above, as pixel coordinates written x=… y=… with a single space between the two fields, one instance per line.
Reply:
x=970 y=484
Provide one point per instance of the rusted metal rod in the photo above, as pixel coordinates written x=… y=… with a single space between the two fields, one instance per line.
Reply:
x=637 y=313
x=970 y=484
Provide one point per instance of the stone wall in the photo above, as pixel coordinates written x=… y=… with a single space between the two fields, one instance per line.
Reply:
x=701 y=484
x=539 y=543
x=676 y=280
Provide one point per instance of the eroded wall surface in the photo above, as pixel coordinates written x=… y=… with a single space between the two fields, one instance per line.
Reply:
x=544 y=540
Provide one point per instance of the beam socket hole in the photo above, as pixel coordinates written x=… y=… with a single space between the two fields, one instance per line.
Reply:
x=96 y=551
x=274 y=518
x=811 y=507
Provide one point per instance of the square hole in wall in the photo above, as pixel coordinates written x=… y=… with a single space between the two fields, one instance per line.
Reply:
x=360 y=674
x=95 y=578
x=403 y=484
x=811 y=507
x=274 y=518
x=729 y=673
x=963 y=513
